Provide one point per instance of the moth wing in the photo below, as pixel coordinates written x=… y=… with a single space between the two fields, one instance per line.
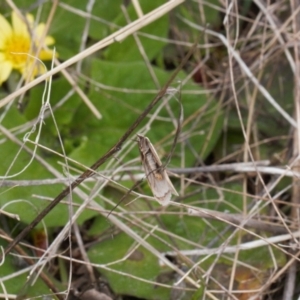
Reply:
x=159 y=187
x=165 y=174
x=173 y=190
x=162 y=188
x=161 y=191
x=154 y=153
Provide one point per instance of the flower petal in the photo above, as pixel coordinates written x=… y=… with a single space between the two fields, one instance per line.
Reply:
x=46 y=55
x=5 y=31
x=32 y=70
x=19 y=26
x=39 y=32
x=15 y=42
x=5 y=70
x=49 y=40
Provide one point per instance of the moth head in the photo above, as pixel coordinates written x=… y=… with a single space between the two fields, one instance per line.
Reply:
x=142 y=142
x=138 y=138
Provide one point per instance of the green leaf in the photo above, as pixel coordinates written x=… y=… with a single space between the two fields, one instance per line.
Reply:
x=105 y=12
x=67 y=27
x=120 y=108
x=17 y=284
x=128 y=50
x=141 y=263
x=19 y=199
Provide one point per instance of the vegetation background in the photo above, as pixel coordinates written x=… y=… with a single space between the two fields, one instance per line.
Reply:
x=233 y=231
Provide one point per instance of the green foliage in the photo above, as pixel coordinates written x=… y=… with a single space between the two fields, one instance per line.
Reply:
x=118 y=83
x=15 y=285
x=140 y=264
x=146 y=267
x=159 y=29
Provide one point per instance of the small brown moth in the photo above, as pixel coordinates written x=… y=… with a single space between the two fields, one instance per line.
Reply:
x=157 y=176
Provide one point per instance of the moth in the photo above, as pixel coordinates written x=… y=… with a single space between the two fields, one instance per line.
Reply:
x=157 y=177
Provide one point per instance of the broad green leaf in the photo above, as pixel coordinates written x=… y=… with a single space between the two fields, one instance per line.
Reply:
x=140 y=263
x=67 y=27
x=128 y=50
x=120 y=109
x=193 y=229
x=17 y=285
x=20 y=199
x=105 y=12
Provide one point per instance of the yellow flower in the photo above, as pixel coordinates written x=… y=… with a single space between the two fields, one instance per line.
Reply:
x=18 y=46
